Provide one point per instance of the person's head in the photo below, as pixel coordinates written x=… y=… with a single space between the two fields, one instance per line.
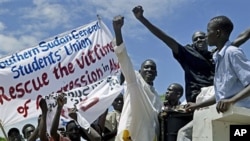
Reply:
x=219 y=29
x=148 y=71
x=73 y=131
x=118 y=103
x=14 y=135
x=174 y=92
x=199 y=41
x=27 y=130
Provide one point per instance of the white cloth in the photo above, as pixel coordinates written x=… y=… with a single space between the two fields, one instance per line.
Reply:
x=205 y=94
x=185 y=133
x=141 y=103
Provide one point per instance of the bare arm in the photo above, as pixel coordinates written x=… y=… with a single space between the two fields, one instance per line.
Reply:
x=172 y=43
x=120 y=51
x=224 y=104
x=242 y=38
x=55 y=123
x=194 y=106
x=42 y=124
x=242 y=94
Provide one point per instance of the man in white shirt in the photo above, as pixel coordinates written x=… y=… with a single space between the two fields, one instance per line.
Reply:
x=139 y=118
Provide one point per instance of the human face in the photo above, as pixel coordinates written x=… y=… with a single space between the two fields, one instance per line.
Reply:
x=199 y=41
x=118 y=104
x=73 y=131
x=15 y=136
x=172 y=93
x=148 y=71
x=211 y=34
x=28 y=131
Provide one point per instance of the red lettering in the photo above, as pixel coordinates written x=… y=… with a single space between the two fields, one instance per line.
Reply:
x=60 y=71
x=24 y=109
x=38 y=98
x=3 y=96
x=20 y=89
x=26 y=87
x=40 y=84
x=12 y=92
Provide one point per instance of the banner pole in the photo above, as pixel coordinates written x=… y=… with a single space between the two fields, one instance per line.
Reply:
x=98 y=17
x=1 y=125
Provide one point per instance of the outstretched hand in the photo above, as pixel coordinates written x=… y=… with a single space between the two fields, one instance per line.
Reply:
x=138 y=12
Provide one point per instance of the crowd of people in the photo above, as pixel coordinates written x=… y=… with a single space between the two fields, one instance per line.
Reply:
x=138 y=114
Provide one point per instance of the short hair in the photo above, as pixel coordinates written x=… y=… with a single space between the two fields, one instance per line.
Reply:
x=120 y=96
x=179 y=87
x=223 y=23
x=13 y=130
x=148 y=60
x=201 y=32
x=25 y=126
x=72 y=121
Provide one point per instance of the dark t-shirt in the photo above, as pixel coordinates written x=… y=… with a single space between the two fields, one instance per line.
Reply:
x=198 y=68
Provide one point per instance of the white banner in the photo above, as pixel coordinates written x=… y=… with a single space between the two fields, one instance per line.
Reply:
x=91 y=101
x=67 y=61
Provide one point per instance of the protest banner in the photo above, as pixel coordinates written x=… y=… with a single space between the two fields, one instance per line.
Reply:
x=73 y=59
x=91 y=101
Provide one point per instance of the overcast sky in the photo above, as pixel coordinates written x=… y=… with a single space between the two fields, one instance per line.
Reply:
x=24 y=23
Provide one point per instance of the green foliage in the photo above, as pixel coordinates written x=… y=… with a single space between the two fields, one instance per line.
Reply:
x=162 y=97
x=2 y=139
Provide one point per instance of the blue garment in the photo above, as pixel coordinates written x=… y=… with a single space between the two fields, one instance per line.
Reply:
x=232 y=74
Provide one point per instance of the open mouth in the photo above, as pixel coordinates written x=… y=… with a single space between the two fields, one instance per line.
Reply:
x=201 y=44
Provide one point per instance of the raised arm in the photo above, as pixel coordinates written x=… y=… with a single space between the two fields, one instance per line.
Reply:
x=120 y=51
x=53 y=131
x=169 y=41
x=242 y=38
x=42 y=122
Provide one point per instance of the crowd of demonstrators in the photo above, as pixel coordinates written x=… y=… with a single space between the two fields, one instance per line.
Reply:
x=139 y=117
x=224 y=72
x=73 y=131
x=195 y=59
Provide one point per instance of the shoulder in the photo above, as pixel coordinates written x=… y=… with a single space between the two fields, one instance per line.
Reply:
x=189 y=46
x=233 y=50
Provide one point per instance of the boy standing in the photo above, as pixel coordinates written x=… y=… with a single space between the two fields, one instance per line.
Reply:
x=232 y=68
